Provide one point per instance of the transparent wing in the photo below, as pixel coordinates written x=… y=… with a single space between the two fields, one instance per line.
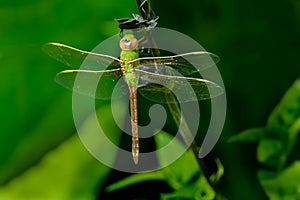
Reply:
x=186 y=64
x=80 y=59
x=96 y=84
x=156 y=86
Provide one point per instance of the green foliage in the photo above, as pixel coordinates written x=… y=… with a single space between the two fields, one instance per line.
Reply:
x=254 y=134
x=275 y=143
x=68 y=171
x=283 y=185
x=185 y=179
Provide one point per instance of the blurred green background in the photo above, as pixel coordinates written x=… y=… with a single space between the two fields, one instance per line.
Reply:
x=258 y=43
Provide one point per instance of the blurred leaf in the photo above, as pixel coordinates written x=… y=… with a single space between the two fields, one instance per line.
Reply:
x=275 y=142
x=196 y=190
x=183 y=169
x=268 y=152
x=183 y=175
x=277 y=139
x=254 y=134
x=136 y=178
x=287 y=111
x=100 y=131
x=284 y=185
x=67 y=172
x=214 y=178
x=283 y=128
x=52 y=128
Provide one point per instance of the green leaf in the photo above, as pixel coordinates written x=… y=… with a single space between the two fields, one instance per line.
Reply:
x=136 y=178
x=283 y=128
x=287 y=111
x=183 y=169
x=180 y=175
x=269 y=152
x=284 y=185
x=214 y=178
x=22 y=147
x=196 y=190
x=254 y=134
x=67 y=172
x=169 y=173
x=278 y=138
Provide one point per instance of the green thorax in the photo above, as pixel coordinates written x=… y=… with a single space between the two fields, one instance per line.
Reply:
x=127 y=57
x=129 y=74
x=129 y=54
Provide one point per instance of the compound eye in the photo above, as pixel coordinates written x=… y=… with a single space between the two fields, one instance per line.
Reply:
x=126 y=40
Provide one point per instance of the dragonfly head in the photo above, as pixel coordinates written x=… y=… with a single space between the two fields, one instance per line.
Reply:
x=128 y=42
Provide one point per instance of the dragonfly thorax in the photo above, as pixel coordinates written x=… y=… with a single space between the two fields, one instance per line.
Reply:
x=127 y=66
x=128 y=58
x=129 y=54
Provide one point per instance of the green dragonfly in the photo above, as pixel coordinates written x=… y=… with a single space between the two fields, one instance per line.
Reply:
x=152 y=77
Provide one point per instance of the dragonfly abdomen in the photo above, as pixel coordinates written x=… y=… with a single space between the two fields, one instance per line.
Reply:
x=134 y=121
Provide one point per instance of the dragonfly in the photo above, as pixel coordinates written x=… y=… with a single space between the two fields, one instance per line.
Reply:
x=152 y=77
